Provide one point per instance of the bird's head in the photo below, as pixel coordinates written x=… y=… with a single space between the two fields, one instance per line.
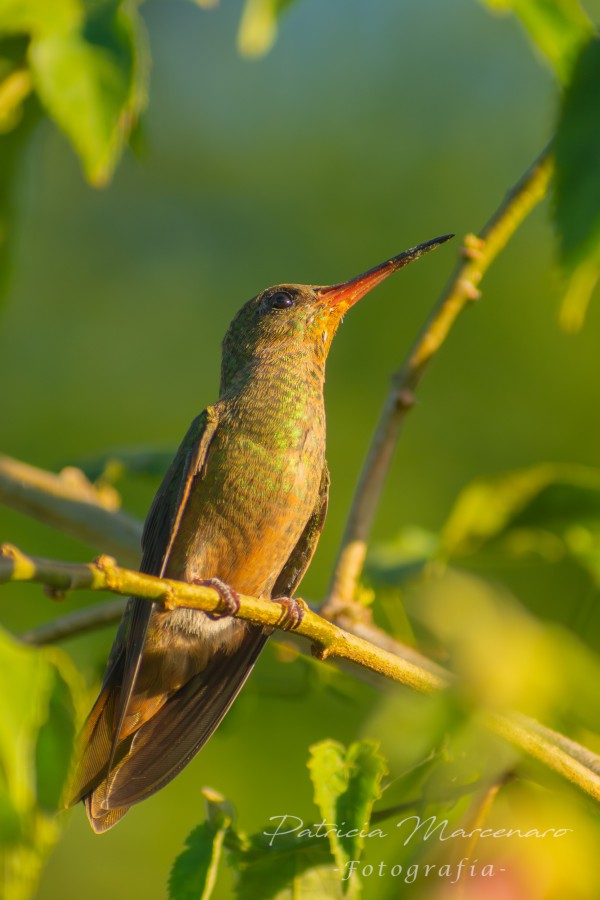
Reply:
x=287 y=319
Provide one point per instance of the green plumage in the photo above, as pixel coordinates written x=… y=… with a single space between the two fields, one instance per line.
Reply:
x=243 y=502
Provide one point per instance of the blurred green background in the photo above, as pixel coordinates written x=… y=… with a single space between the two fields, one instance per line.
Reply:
x=369 y=127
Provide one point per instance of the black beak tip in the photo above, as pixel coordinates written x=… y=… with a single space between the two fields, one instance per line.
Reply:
x=443 y=239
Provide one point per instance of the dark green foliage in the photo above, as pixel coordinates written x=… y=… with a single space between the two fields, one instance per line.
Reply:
x=557 y=28
x=577 y=194
x=54 y=745
x=194 y=870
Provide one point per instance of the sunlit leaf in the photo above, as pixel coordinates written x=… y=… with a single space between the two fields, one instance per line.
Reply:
x=92 y=82
x=346 y=784
x=577 y=191
x=38 y=16
x=194 y=872
x=558 y=28
x=549 y=496
x=284 y=862
x=40 y=692
x=258 y=26
x=504 y=655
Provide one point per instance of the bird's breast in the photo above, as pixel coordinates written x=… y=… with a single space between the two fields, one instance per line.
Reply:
x=247 y=509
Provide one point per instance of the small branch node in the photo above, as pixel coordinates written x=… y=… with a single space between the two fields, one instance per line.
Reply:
x=105 y=562
x=473 y=247
x=169 y=601
x=468 y=289
x=107 y=565
x=319 y=651
x=405 y=399
x=9 y=551
x=55 y=593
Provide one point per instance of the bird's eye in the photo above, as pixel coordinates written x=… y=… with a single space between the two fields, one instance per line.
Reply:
x=281 y=300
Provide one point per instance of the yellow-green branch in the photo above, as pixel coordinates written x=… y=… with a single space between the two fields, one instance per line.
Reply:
x=105 y=575
x=478 y=254
x=328 y=641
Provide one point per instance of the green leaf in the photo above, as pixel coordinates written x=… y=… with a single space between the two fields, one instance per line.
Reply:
x=577 y=185
x=258 y=26
x=285 y=868
x=548 y=498
x=346 y=783
x=399 y=560
x=40 y=691
x=93 y=83
x=194 y=872
x=295 y=876
x=38 y=16
x=558 y=28
x=13 y=149
x=54 y=745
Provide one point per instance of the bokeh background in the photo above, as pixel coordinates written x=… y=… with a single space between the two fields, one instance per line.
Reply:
x=368 y=128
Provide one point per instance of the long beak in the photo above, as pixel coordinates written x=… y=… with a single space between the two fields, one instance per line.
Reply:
x=348 y=292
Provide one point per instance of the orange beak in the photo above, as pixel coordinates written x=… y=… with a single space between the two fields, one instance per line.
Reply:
x=349 y=292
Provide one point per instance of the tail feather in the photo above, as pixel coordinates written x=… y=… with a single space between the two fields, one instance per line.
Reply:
x=167 y=742
x=101 y=819
x=147 y=759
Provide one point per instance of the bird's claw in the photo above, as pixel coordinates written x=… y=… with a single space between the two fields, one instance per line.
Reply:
x=230 y=599
x=292 y=612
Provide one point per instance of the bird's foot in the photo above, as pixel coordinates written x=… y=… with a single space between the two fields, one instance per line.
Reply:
x=230 y=599
x=292 y=612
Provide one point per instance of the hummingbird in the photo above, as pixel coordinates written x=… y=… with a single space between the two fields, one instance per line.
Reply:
x=240 y=509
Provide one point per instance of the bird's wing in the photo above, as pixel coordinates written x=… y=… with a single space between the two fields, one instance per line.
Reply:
x=193 y=713
x=164 y=518
x=292 y=573
x=160 y=531
x=99 y=737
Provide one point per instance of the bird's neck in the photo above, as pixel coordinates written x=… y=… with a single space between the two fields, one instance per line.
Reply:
x=280 y=369
x=278 y=388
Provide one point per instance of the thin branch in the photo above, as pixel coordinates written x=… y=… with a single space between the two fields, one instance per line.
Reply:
x=71 y=503
x=105 y=575
x=82 y=621
x=327 y=639
x=478 y=254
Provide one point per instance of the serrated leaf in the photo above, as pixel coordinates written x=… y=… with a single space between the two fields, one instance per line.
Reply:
x=577 y=185
x=92 y=82
x=194 y=872
x=346 y=785
x=558 y=28
x=258 y=26
x=298 y=863
x=289 y=870
x=552 y=497
x=288 y=866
